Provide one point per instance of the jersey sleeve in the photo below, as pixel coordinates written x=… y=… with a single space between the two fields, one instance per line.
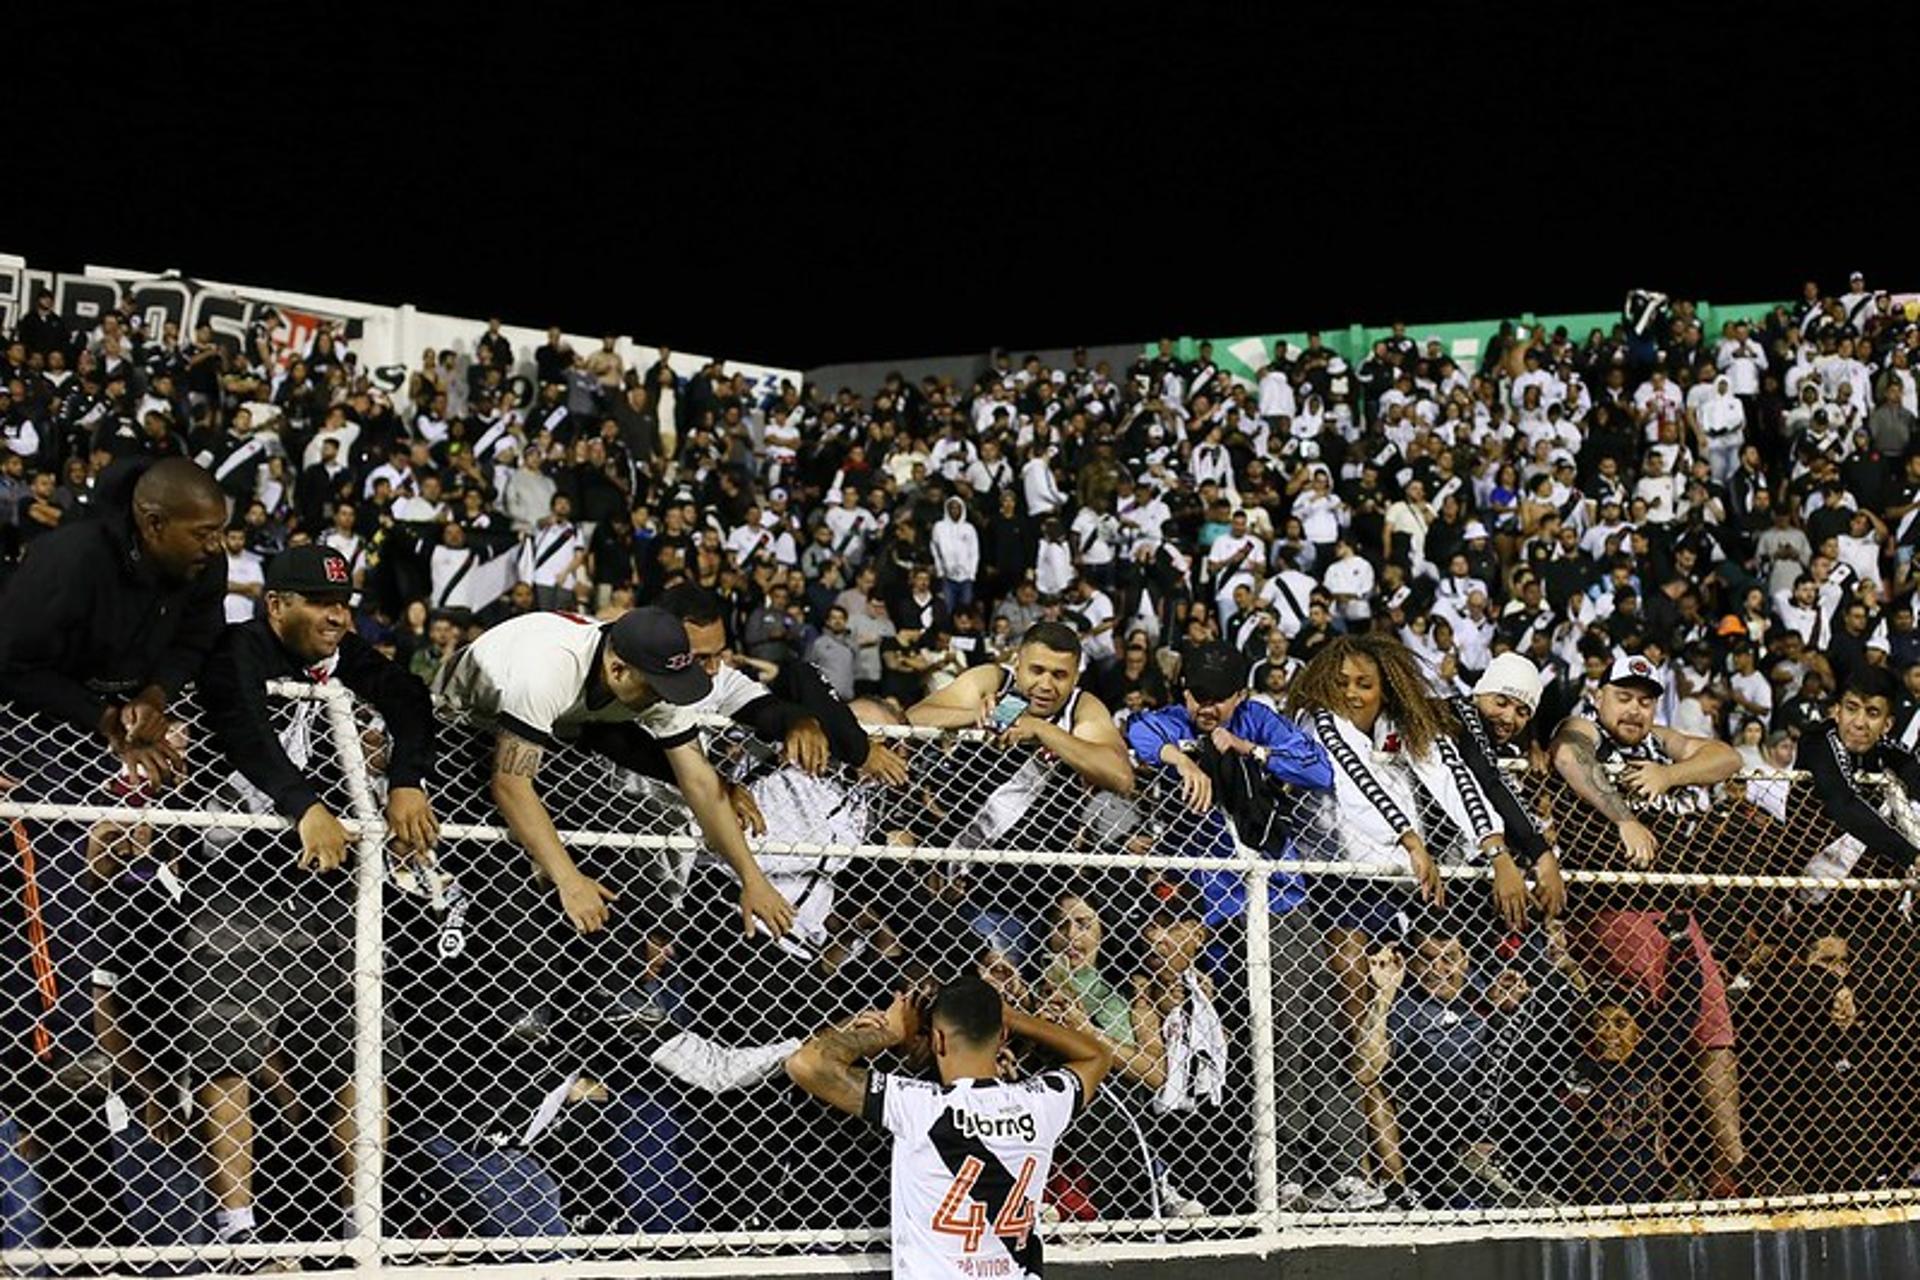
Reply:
x=899 y=1104
x=1061 y=1097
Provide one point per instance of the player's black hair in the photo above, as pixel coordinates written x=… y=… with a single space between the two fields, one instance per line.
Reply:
x=1057 y=636
x=1865 y=682
x=969 y=1007
x=690 y=602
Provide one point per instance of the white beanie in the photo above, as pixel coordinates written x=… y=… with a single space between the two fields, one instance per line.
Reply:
x=1514 y=676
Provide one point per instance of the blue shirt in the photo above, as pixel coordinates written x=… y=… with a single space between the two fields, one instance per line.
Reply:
x=1293 y=757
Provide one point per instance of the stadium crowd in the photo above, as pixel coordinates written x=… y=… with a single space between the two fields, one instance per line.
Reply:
x=1660 y=548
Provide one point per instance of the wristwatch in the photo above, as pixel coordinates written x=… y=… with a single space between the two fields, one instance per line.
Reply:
x=1261 y=754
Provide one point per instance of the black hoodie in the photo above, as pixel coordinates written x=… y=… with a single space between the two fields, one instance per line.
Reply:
x=87 y=621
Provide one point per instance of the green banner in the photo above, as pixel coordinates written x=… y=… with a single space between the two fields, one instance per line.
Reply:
x=1465 y=341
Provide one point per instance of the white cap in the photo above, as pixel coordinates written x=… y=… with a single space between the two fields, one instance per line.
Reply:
x=1631 y=668
x=1514 y=676
x=1473 y=530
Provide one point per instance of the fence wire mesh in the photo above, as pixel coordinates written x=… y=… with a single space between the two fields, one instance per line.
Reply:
x=394 y=1065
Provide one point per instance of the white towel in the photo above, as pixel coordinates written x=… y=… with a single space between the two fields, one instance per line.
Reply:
x=1196 y=1045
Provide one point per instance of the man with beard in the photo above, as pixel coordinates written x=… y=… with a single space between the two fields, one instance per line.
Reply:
x=1495 y=716
x=1012 y=791
x=1636 y=934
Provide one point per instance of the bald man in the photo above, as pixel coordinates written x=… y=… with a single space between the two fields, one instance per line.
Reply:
x=101 y=625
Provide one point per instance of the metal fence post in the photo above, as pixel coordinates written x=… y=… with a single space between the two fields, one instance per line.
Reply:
x=1266 y=1154
x=369 y=999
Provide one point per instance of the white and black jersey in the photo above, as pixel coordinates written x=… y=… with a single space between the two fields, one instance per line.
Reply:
x=970 y=1165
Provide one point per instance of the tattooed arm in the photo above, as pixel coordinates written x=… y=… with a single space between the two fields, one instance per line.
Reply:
x=1577 y=761
x=515 y=763
x=824 y=1065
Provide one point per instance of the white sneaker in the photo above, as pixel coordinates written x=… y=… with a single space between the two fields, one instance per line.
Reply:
x=1175 y=1205
x=1350 y=1193
x=1293 y=1197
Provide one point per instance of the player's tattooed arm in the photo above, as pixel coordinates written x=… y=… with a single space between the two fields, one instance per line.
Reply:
x=825 y=1065
x=516 y=757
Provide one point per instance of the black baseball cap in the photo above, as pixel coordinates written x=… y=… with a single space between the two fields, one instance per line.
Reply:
x=654 y=642
x=1216 y=672
x=310 y=570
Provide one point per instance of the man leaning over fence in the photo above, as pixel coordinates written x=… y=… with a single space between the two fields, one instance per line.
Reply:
x=238 y=1020
x=1862 y=783
x=1014 y=792
x=1639 y=934
x=102 y=625
x=623 y=690
x=1240 y=758
x=796 y=706
x=1495 y=717
x=1835 y=756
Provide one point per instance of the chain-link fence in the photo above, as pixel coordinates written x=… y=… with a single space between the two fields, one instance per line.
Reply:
x=217 y=1059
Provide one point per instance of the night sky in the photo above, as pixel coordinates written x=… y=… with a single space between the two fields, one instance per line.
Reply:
x=801 y=184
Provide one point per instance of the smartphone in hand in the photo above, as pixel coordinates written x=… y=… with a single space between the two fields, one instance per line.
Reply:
x=1007 y=710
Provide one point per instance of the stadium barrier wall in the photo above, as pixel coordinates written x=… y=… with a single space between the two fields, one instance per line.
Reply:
x=382 y=335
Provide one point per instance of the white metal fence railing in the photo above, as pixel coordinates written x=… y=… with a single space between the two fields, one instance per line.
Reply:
x=406 y=1069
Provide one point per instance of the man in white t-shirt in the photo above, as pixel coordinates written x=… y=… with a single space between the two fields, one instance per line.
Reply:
x=1744 y=360
x=1752 y=690
x=1859 y=546
x=971 y=1155
x=1289 y=591
x=246 y=578
x=1096 y=612
x=1349 y=579
x=1233 y=553
x=544 y=680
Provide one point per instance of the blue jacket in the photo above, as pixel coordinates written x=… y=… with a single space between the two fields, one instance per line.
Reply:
x=1294 y=758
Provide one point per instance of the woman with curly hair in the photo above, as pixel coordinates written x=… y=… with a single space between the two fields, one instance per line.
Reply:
x=1395 y=766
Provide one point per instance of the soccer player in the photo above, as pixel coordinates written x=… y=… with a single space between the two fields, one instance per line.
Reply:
x=971 y=1155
